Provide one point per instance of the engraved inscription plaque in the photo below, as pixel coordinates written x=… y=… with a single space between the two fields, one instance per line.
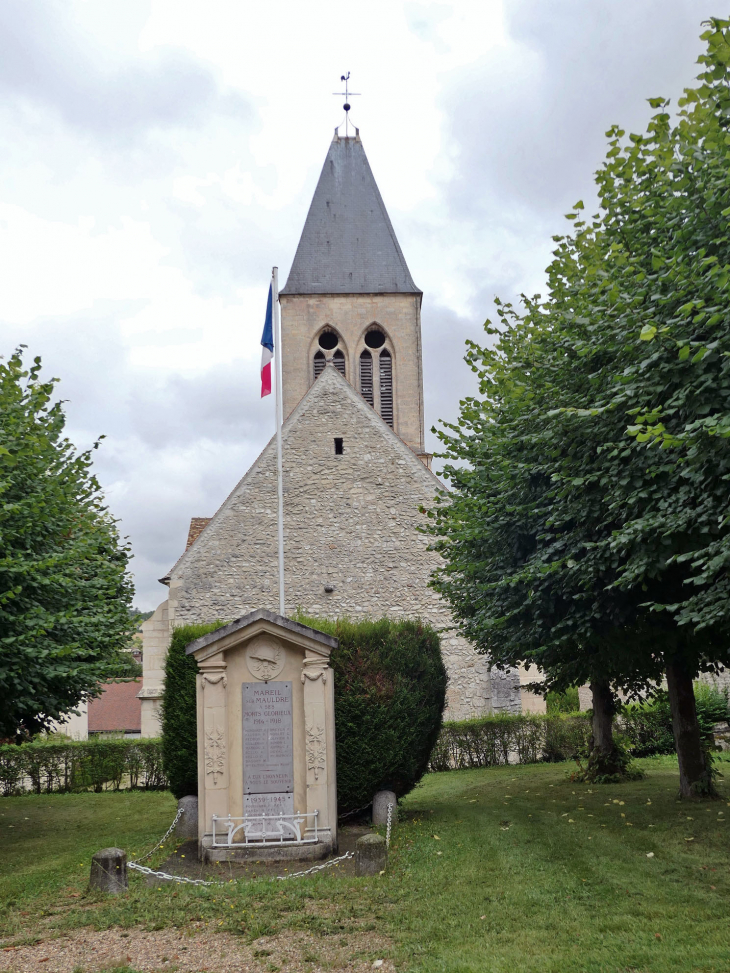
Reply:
x=268 y=751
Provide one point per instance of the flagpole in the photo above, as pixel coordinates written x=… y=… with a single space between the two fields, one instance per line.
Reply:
x=279 y=411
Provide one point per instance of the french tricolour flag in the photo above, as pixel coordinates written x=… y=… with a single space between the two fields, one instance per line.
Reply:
x=267 y=351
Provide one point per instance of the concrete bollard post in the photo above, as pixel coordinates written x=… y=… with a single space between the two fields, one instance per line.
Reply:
x=371 y=855
x=109 y=871
x=187 y=826
x=380 y=808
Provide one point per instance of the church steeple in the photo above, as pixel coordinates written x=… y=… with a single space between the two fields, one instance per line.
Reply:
x=348 y=245
x=350 y=298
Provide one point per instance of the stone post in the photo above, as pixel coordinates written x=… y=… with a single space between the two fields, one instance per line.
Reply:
x=109 y=871
x=371 y=855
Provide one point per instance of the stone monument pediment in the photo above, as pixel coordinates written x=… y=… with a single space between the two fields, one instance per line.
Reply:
x=266 y=740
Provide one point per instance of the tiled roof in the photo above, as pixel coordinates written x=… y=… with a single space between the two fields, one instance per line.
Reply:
x=348 y=245
x=197 y=525
x=117 y=709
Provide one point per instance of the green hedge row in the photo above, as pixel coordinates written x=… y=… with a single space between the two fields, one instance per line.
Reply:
x=500 y=739
x=45 y=766
x=645 y=728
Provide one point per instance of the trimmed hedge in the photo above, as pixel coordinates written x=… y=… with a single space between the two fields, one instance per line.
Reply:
x=179 y=714
x=47 y=766
x=390 y=691
x=505 y=738
x=645 y=728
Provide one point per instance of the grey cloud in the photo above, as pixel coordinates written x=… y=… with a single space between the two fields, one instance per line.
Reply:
x=174 y=446
x=45 y=58
x=529 y=121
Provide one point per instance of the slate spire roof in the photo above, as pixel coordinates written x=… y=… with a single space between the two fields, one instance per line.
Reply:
x=348 y=245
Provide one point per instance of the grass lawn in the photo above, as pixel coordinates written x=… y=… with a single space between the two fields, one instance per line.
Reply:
x=509 y=869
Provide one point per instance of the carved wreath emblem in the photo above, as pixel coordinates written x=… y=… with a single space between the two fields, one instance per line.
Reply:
x=265 y=660
x=316 y=748
x=215 y=753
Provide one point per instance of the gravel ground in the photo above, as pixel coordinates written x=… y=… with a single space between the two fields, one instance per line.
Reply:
x=195 y=949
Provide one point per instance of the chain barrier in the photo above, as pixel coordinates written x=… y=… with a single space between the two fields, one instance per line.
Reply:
x=180 y=879
x=183 y=880
x=349 y=814
x=163 y=839
x=387 y=830
x=316 y=868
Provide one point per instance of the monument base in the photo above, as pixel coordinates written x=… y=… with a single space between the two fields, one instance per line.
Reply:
x=270 y=852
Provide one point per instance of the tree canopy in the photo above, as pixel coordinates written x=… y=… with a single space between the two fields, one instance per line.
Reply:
x=588 y=527
x=65 y=591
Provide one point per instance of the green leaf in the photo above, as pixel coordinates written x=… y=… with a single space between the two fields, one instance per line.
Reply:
x=647 y=332
x=683 y=353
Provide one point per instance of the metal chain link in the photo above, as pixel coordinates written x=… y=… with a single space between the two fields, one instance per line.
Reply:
x=316 y=868
x=183 y=880
x=387 y=830
x=349 y=814
x=163 y=839
x=171 y=878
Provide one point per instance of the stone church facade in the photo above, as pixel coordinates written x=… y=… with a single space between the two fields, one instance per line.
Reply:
x=355 y=469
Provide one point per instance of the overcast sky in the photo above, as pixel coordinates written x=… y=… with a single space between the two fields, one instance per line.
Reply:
x=157 y=157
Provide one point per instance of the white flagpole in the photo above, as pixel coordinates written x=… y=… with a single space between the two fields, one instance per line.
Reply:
x=279 y=410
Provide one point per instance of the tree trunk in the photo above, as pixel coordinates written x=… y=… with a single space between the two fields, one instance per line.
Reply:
x=606 y=761
x=695 y=778
x=602 y=724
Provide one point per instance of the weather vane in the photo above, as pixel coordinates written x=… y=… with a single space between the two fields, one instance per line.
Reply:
x=348 y=94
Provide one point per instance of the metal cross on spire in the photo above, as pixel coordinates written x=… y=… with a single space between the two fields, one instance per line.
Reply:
x=348 y=94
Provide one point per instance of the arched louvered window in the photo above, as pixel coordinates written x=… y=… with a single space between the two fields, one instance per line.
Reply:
x=338 y=360
x=366 y=377
x=319 y=362
x=386 y=387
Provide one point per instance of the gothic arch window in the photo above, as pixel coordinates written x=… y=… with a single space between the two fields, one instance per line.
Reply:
x=386 y=387
x=366 y=377
x=329 y=348
x=319 y=362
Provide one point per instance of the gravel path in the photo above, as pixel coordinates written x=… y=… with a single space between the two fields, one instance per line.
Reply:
x=195 y=949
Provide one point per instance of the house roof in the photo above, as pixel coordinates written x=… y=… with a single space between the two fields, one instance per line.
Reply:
x=197 y=526
x=117 y=709
x=348 y=245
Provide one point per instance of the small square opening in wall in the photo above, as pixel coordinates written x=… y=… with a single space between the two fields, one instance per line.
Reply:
x=339 y=446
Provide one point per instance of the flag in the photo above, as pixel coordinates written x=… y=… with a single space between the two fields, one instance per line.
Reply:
x=267 y=353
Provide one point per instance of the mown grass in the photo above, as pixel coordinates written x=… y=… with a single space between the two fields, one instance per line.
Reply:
x=505 y=870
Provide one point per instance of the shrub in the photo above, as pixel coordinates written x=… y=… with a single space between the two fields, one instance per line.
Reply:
x=567 y=702
x=509 y=738
x=58 y=764
x=390 y=690
x=179 y=714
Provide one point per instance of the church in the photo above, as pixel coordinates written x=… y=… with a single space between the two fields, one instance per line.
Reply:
x=355 y=469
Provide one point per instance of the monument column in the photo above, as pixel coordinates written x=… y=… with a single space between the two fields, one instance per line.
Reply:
x=213 y=757
x=319 y=726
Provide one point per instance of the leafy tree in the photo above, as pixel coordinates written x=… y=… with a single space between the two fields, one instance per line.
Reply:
x=588 y=531
x=64 y=587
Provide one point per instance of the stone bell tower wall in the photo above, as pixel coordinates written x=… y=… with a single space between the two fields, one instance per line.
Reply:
x=303 y=318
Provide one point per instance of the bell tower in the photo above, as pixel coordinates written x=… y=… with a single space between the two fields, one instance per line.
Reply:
x=350 y=299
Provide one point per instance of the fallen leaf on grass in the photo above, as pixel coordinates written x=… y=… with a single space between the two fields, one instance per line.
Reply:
x=436 y=837
x=689 y=839
x=650 y=854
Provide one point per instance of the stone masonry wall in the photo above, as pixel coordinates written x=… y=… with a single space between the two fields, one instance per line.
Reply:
x=304 y=316
x=350 y=523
